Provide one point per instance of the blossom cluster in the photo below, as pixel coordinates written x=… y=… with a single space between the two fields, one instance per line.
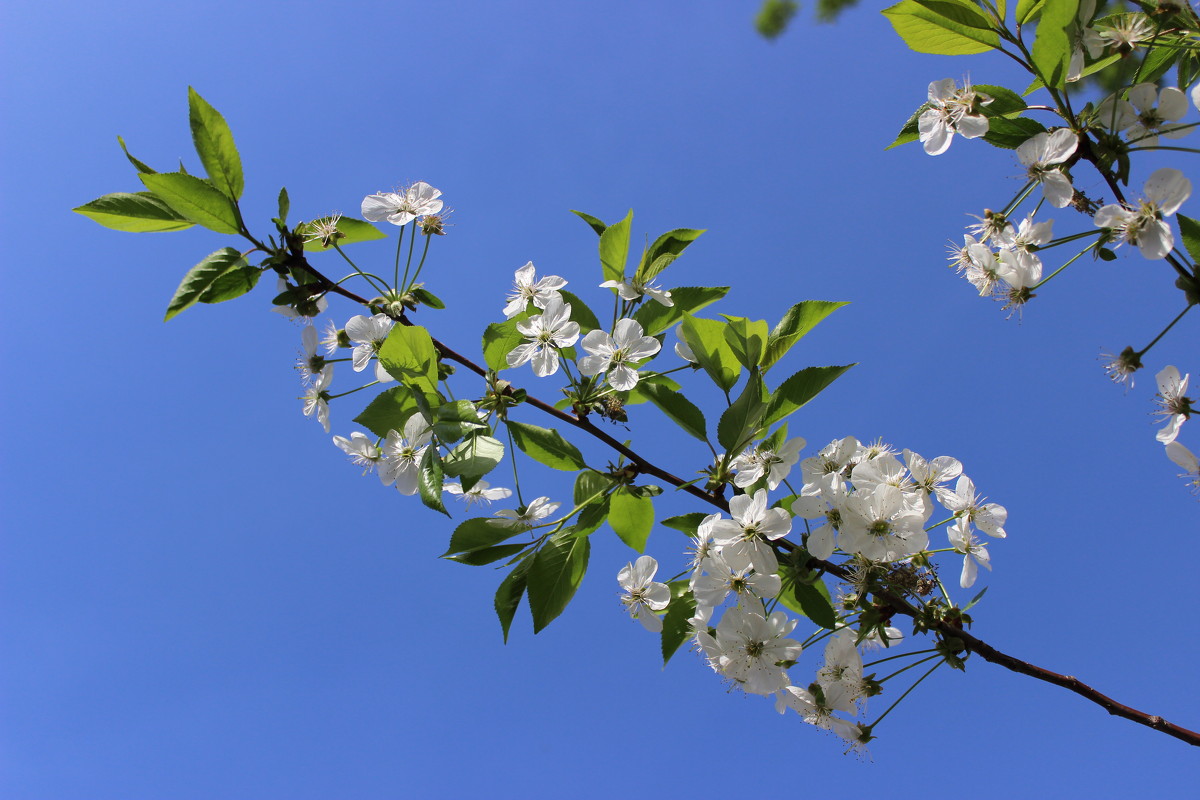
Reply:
x=871 y=507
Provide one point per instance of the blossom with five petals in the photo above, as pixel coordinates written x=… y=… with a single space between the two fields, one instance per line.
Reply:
x=547 y=333
x=643 y=595
x=1173 y=405
x=526 y=288
x=952 y=111
x=617 y=353
x=1165 y=190
x=1040 y=154
x=401 y=208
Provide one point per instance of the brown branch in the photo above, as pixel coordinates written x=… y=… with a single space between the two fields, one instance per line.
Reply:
x=897 y=604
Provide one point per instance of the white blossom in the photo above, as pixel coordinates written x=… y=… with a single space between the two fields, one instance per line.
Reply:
x=952 y=111
x=527 y=287
x=617 y=354
x=1173 y=405
x=547 y=333
x=633 y=289
x=524 y=519
x=316 y=397
x=1165 y=191
x=403 y=452
x=401 y=208
x=482 y=492
x=643 y=595
x=1041 y=153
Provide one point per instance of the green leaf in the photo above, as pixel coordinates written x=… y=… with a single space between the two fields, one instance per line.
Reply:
x=747 y=339
x=473 y=458
x=426 y=297
x=580 y=313
x=663 y=251
x=194 y=199
x=631 y=517
x=201 y=278
x=811 y=600
x=1189 y=229
x=975 y=599
x=140 y=212
x=588 y=485
x=478 y=533
x=942 y=27
x=1028 y=9
x=614 y=248
x=677 y=627
x=556 y=572
x=508 y=596
x=678 y=409
x=688 y=523
x=285 y=204
x=594 y=222
x=409 y=356
x=232 y=284
x=655 y=317
x=798 y=390
x=546 y=446
x=1090 y=69
x=138 y=165
x=706 y=338
x=500 y=339
x=1011 y=133
x=1004 y=101
x=389 y=411
x=352 y=230
x=795 y=325
x=910 y=131
x=1051 y=53
x=429 y=480
x=455 y=420
x=488 y=555
x=741 y=421
x=214 y=145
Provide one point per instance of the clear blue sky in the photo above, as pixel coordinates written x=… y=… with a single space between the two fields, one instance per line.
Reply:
x=199 y=598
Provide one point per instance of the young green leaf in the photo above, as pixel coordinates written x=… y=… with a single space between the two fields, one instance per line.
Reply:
x=795 y=325
x=909 y=132
x=677 y=626
x=664 y=251
x=285 y=204
x=678 y=408
x=488 y=555
x=688 y=523
x=595 y=223
x=747 y=338
x=214 y=145
x=1011 y=133
x=655 y=317
x=508 y=596
x=455 y=420
x=1028 y=9
x=741 y=421
x=631 y=517
x=1052 y=46
x=556 y=572
x=194 y=199
x=614 y=248
x=1004 y=101
x=474 y=457
x=580 y=313
x=811 y=600
x=389 y=410
x=798 y=390
x=500 y=339
x=138 y=165
x=409 y=356
x=546 y=446
x=942 y=27
x=201 y=278
x=706 y=338
x=232 y=284
x=1189 y=230
x=140 y=212
x=352 y=231
x=478 y=533
x=429 y=480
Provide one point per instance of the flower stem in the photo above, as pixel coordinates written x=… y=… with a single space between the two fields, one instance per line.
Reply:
x=1143 y=351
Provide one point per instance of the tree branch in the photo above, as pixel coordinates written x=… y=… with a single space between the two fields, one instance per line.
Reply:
x=895 y=603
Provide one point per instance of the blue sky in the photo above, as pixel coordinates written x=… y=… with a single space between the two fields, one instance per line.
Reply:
x=199 y=598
